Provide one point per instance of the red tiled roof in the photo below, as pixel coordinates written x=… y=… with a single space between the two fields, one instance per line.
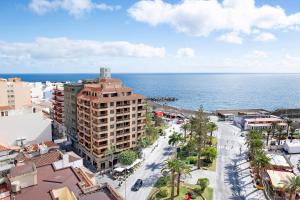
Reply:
x=4 y=148
x=21 y=170
x=46 y=159
x=4 y=108
x=50 y=144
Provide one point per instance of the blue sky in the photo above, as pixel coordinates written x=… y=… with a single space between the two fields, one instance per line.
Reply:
x=42 y=36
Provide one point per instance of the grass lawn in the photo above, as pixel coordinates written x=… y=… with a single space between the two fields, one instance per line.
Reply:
x=185 y=188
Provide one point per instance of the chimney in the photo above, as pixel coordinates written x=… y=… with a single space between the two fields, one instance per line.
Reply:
x=105 y=72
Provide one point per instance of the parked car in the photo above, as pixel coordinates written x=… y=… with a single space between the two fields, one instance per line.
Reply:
x=137 y=185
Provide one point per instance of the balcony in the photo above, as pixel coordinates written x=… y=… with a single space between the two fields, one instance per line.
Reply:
x=99 y=145
x=99 y=138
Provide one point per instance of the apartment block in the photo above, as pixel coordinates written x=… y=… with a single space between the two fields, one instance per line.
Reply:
x=14 y=93
x=108 y=114
x=57 y=113
x=70 y=111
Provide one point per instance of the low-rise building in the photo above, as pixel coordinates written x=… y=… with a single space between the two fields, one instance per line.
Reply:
x=23 y=127
x=232 y=114
x=261 y=123
x=14 y=93
x=57 y=176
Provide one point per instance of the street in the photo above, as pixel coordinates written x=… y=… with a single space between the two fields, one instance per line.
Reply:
x=231 y=180
x=150 y=170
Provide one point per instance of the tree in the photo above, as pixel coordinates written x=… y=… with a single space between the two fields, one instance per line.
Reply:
x=182 y=169
x=260 y=161
x=210 y=153
x=254 y=142
x=171 y=166
x=199 y=125
x=293 y=185
x=269 y=131
x=289 y=122
x=158 y=121
x=279 y=136
x=185 y=127
x=274 y=125
x=127 y=157
x=293 y=131
x=110 y=153
x=211 y=128
x=174 y=139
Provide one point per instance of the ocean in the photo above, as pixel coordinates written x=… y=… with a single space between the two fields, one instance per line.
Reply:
x=212 y=91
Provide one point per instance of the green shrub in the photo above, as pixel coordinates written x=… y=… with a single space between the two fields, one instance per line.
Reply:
x=210 y=153
x=162 y=181
x=163 y=192
x=127 y=157
x=192 y=160
x=198 y=191
x=203 y=182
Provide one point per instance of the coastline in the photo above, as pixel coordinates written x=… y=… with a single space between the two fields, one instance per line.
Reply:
x=173 y=109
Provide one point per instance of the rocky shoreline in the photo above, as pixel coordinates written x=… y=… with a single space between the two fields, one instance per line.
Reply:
x=172 y=109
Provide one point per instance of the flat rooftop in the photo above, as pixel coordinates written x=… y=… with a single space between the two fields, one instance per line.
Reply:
x=49 y=179
x=279 y=178
x=278 y=160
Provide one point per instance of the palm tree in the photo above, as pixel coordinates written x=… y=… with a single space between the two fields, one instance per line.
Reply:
x=274 y=125
x=293 y=130
x=183 y=168
x=279 y=136
x=269 y=131
x=174 y=139
x=185 y=127
x=172 y=166
x=211 y=128
x=289 y=123
x=260 y=161
x=293 y=185
x=110 y=153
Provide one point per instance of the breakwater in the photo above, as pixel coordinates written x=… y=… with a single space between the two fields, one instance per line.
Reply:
x=162 y=99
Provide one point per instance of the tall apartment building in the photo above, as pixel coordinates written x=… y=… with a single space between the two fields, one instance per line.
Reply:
x=108 y=114
x=14 y=93
x=70 y=111
x=57 y=113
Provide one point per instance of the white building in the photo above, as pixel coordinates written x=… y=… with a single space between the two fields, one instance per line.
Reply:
x=25 y=128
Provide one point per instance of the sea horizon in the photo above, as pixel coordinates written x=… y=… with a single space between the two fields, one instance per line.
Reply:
x=213 y=91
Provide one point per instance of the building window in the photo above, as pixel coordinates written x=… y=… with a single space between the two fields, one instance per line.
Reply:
x=133 y=129
x=112 y=103
x=103 y=165
x=111 y=111
x=112 y=119
x=111 y=133
x=112 y=126
x=133 y=115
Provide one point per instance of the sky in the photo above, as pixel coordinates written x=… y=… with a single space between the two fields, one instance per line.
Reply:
x=168 y=36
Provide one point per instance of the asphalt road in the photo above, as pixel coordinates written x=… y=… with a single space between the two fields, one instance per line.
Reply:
x=150 y=170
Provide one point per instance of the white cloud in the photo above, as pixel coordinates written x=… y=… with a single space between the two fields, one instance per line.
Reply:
x=232 y=37
x=257 y=54
x=64 y=49
x=201 y=17
x=265 y=37
x=73 y=7
x=185 y=53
